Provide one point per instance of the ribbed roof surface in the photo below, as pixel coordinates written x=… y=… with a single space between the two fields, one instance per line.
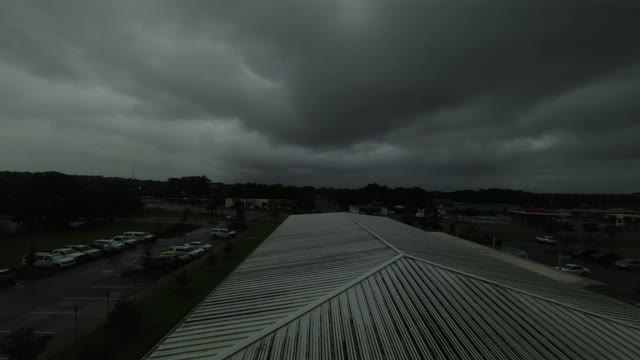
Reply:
x=304 y=259
x=340 y=286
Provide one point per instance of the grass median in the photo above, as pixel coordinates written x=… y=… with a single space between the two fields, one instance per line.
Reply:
x=165 y=307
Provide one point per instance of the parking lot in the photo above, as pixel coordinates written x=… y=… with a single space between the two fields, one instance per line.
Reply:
x=623 y=284
x=47 y=305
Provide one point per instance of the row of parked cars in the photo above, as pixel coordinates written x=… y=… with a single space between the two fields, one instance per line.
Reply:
x=72 y=254
x=607 y=258
x=600 y=257
x=178 y=255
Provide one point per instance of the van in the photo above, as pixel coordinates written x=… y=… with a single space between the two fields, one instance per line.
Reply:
x=139 y=236
x=221 y=233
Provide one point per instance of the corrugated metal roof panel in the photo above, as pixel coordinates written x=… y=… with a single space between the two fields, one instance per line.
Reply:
x=493 y=265
x=303 y=260
x=414 y=310
x=339 y=286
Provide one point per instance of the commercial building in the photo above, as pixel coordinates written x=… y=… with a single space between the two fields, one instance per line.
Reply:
x=351 y=286
x=535 y=216
x=254 y=203
x=369 y=210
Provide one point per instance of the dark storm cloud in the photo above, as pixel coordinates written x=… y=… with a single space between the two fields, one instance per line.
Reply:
x=528 y=94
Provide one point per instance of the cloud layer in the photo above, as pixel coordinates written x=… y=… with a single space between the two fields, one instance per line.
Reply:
x=538 y=95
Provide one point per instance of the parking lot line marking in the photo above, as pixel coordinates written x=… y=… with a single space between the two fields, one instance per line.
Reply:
x=117 y=287
x=56 y=313
x=85 y=298
x=35 y=332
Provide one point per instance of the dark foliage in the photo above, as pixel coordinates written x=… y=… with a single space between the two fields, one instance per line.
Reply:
x=24 y=344
x=124 y=317
x=183 y=280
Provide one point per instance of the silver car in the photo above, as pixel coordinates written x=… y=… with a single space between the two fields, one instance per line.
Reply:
x=86 y=249
x=627 y=264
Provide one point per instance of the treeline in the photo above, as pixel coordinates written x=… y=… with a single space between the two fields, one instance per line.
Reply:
x=52 y=199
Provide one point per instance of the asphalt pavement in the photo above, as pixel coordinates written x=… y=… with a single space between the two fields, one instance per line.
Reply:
x=82 y=294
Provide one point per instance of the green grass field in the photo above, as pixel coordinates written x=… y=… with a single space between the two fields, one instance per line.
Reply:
x=14 y=247
x=163 y=309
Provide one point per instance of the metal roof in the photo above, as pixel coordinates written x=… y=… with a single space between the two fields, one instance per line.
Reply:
x=342 y=286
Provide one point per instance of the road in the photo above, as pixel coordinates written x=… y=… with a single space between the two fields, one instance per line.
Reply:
x=47 y=305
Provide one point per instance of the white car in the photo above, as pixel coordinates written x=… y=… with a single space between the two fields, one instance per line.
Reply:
x=199 y=244
x=140 y=236
x=185 y=249
x=113 y=246
x=627 y=264
x=547 y=239
x=126 y=241
x=75 y=255
x=50 y=261
x=86 y=249
x=221 y=233
x=575 y=269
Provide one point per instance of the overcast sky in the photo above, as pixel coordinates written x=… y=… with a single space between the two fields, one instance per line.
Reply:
x=541 y=95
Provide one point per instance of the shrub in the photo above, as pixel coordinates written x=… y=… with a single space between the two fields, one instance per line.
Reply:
x=124 y=317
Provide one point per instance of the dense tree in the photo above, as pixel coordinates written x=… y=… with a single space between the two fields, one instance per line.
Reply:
x=590 y=228
x=566 y=227
x=24 y=344
x=124 y=317
x=612 y=231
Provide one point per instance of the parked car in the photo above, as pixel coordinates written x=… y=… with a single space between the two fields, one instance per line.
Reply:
x=575 y=269
x=126 y=241
x=112 y=246
x=547 y=239
x=192 y=252
x=7 y=277
x=583 y=253
x=75 y=255
x=178 y=255
x=92 y=253
x=140 y=236
x=221 y=233
x=103 y=246
x=50 y=261
x=605 y=258
x=628 y=264
x=199 y=244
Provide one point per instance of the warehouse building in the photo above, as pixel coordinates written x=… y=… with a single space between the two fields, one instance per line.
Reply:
x=350 y=286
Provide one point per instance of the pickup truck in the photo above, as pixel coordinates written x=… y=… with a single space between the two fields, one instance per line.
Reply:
x=50 y=261
x=547 y=239
x=221 y=233
x=7 y=277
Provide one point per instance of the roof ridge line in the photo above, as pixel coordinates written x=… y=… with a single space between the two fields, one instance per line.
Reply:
x=376 y=235
x=493 y=282
x=270 y=329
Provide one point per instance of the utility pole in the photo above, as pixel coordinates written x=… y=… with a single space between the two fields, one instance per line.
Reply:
x=75 y=313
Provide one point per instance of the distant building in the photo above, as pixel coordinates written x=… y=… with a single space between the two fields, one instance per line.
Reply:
x=369 y=210
x=622 y=219
x=447 y=206
x=256 y=203
x=535 y=216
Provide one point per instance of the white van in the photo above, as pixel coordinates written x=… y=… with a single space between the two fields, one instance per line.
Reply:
x=221 y=233
x=139 y=236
